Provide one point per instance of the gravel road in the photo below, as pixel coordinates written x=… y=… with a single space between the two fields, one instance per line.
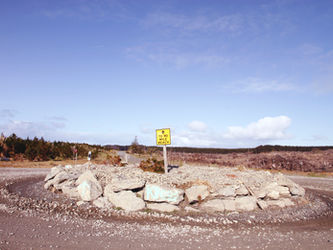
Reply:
x=33 y=228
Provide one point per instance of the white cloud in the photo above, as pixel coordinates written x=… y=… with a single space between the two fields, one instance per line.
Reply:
x=197 y=126
x=257 y=85
x=268 y=128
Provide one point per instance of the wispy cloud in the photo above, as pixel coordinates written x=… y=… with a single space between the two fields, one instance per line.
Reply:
x=7 y=113
x=202 y=23
x=257 y=85
x=86 y=9
x=173 y=58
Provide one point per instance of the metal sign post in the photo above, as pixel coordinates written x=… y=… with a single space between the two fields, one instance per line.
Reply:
x=163 y=137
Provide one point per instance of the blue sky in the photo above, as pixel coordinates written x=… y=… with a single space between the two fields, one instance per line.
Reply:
x=218 y=73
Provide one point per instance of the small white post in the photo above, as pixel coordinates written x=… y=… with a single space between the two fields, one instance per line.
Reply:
x=165 y=159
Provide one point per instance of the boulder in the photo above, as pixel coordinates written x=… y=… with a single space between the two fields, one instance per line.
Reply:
x=273 y=195
x=157 y=193
x=89 y=190
x=162 y=207
x=54 y=171
x=242 y=191
x=126 y=200
x=262 y=204
x=283 y=191
x=215 y=205
x=102 y=202
x=247 y=203
x=297 y=190
x=127 y=184
x=228 y=191
x=196 y=193
x=87 y=175
x=59 y=178
x=285 y=202
x=71 y=192
x=229 y=205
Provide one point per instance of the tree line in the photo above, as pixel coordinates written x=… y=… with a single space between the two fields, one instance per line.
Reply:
x=41 y=150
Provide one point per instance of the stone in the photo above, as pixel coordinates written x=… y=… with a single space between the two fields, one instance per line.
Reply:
x=71 y=192
x=297 y=190
x=126 y=200
x=260 y=194
x=247 y=203
x=262 y=204
x=278 y=203
x=273 y=195
x=162 y=207
x=89 y=190
x=283 y=191
x=242 y=191
x=102 y=202
x=59 y=178
x=157 y=193
x=282 y=180
x=215 y=205
x=54 y=171
x=191 y=210
x=196 y=193
x=127 y=184
x=229 y=205
x=227 y=191
x=87 y=175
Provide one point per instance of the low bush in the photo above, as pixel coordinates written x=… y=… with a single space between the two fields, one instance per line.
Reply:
x=152 y=165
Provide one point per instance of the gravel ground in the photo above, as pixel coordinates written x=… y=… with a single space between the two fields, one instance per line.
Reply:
x=30 y=217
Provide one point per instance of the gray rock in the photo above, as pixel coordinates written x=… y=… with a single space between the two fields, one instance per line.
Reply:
x=89 y=190
x=127 y=184
x=247 y=203
x=162 y=207
x=273 y=195
x=191 y=210
x=71 y=192
x=242 y=191
x=262 y=204
x=87 y=175
x=280 y=203
x=283 y=191
x=215 y=205
x=297 y=190
x=54 y=171
x=102 y=202
x=229 y=205
x=157 y=193
x=126 y=200
x=196 y=193
x=59 y=178
x=228 y=191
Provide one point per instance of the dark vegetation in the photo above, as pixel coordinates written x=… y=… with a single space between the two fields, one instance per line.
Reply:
x=152 y=165
x=40 y=150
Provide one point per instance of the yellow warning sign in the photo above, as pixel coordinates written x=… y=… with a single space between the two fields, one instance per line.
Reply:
x=163 y=136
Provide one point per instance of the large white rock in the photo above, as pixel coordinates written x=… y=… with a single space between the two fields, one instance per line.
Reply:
x=228 y=191
x=87 y=175
x=297 y=190
x=283 y=191
x=273 y=195
x=127 y=184
x=102 y=202
x=70 y=191
x=229 y=205
x=242 y=190
x=247 y=203
x=157 y=193
x=196 y=193
x=89 y=190
x=54 y=171
x=162 y=207
x=59 y=178
x=126 y=200
x=215 y=205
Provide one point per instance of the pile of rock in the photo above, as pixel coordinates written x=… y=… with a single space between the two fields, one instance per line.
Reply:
x=189 y=188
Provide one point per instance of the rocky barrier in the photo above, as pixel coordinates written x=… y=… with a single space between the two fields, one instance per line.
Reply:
x=190 y=189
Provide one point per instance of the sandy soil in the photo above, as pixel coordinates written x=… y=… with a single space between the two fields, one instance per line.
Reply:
x=27 y=226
